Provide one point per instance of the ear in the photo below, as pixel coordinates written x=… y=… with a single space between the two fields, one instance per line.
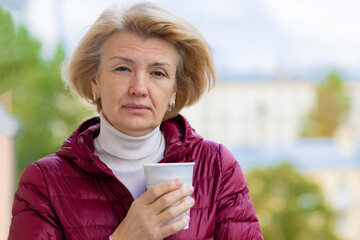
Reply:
x=172 y=98
x=95 y=87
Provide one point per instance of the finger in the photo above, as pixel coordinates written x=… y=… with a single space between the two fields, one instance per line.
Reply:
x=175 y=210
x=160 y=189
x=174 y=227
x=171 y=198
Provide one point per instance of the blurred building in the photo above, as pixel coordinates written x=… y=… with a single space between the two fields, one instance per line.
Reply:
x=261 y=121
x=261 y=112
x=7 y=131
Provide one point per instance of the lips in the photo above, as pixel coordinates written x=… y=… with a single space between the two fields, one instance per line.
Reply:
x=136 y=108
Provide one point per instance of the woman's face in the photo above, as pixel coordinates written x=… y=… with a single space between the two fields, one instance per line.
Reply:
x=136 y=82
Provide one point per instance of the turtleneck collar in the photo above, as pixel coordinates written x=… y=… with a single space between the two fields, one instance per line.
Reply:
x=124 y=146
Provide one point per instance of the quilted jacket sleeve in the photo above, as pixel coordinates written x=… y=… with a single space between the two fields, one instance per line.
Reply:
x=33 y=215
x=236 y=217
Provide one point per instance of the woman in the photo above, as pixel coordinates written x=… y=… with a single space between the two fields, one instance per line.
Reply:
x=140 y=66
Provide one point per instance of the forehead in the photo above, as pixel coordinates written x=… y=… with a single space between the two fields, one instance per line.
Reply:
x=133 y=44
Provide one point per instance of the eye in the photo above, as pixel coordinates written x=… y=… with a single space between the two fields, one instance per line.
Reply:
x=159 y=74
x=122 y=69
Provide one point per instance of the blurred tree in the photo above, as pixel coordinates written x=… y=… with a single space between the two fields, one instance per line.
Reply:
x=289 y=206
x=331 y=108
x=47 y=113
x=18 y=51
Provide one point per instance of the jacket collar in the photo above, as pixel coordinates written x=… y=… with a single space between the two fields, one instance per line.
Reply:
x=179 y=137
x=79 y=147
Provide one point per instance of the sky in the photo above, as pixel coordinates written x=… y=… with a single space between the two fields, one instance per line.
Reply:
x=249 y=38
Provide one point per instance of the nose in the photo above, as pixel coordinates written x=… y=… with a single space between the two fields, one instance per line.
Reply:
x=138 y=85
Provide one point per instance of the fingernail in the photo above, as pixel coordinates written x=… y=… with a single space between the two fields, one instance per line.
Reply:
x=191 y=201
x=187 y=218
x=179 y=182
x=189 y=188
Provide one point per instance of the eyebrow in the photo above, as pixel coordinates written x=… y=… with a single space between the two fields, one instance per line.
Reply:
x=129 y=60
x=122 y=58
x=159 y=64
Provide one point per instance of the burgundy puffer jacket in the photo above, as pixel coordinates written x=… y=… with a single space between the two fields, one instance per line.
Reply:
x=74 y=195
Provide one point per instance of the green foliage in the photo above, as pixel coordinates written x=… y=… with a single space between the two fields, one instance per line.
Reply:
x=46 y=112
x=289 y=206
x=331 y=108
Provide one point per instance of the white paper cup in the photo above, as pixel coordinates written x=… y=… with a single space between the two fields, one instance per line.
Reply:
x=162 y=172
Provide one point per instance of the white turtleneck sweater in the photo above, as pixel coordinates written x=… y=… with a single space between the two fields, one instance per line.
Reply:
x=125 y=155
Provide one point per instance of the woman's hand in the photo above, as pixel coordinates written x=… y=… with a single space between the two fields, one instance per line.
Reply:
x=148 y=214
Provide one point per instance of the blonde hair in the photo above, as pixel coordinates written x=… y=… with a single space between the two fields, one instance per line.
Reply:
x=195 y=71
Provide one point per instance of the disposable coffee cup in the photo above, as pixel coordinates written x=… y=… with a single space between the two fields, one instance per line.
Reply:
x=162 y=172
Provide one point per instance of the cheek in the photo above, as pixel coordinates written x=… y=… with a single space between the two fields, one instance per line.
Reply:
x=112 y=91
x=109 y=99
x=161 y=102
